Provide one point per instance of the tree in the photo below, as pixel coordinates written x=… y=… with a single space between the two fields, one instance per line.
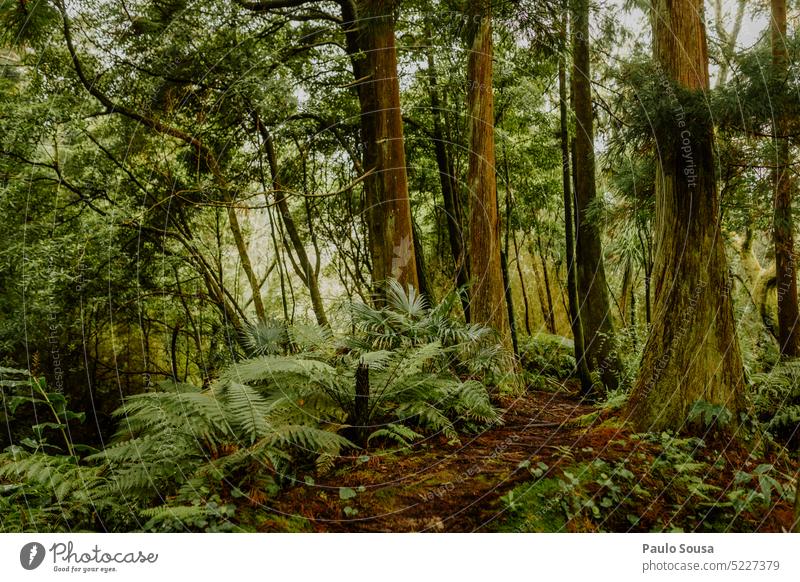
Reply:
x=692 y=353
x=447 y=179
x=487 y=297
x=569 y=217
x=388 y=206
x=783 y=225
x=595 y=315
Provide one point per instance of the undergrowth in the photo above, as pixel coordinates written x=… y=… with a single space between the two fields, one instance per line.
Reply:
x=186 y=458
x=663 y=483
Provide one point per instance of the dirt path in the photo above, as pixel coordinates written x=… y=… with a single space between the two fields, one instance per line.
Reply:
x=440 y=486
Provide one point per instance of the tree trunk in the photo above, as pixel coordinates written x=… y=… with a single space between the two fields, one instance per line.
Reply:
x=388 y=207
x=692 y=352
x=522 y=286
x=447 y=178
x=307 y=272
x=591 y=277
x=487 y=299
x=625 y=291
x=422 y=272
x=551 y=316
x=783 y=228
x=569 y=221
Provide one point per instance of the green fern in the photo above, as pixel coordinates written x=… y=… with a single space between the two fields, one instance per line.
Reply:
x=398 y=433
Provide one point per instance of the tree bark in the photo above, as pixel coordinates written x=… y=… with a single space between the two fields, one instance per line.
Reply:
x=487 y=299
x=692 y=352
x=388 y=206
x=307 y=271
x=783 y=227
x=598 y=330
x=447 y=178
x=569 y=221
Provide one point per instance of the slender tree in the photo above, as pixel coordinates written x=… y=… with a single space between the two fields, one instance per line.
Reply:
x=487 y=297
x=569 y=217
x=306 y=270
x=447 y=178
x=783 y=225
x=595 y=315
x=692 y=353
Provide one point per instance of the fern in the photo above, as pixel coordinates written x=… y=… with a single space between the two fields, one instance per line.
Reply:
x=402 y=435
x=291 y=407
x=777 y=399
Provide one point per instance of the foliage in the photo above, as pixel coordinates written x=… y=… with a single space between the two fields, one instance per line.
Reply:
x=776 y=399
x=682 y=480
x=544 y=354
x=185 y=458
x=424 y=370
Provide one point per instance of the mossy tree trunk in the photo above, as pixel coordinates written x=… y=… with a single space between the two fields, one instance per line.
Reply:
x=692 y=352
x=598 y=332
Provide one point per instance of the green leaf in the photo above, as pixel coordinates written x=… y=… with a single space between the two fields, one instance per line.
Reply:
x=346 y=493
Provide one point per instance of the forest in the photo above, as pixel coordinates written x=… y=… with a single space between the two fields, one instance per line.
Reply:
x=399 y=265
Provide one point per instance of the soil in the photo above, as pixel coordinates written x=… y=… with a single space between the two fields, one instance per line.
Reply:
x=436 y=486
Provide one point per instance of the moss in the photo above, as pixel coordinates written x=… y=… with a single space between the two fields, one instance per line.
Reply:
x=535 y=508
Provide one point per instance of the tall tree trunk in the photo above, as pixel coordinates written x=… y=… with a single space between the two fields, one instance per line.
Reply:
x=783 y=228
x=422 y=272
x=487 y=300
x=692 y=352
x=512 y=320
x=569 y=220
x=551 y=316
x=388 y=206
x=307 y=272
x=447 y=178
x=598 y=331
x=522 y=286
x=625 y=291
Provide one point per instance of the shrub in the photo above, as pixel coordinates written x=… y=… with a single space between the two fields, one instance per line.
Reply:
x=547 y=355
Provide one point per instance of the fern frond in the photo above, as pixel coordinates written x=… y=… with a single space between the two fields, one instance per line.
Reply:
x=398 y=433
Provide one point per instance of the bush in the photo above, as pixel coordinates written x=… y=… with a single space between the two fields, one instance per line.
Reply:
x=547 y=355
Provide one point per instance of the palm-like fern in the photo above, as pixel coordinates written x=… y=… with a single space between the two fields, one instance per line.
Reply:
x=408 y=320
x=170 y=439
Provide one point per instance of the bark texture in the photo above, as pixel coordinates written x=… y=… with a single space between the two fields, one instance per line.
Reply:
x=569 y=220
x=692 y=352
x=388 y=207
x=487 y=297
x=598 y=331
x=783 y=226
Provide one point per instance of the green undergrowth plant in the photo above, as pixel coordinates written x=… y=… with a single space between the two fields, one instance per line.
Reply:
x=544 y=356
x=776 y=401
x=669 y=483
x=187 y=458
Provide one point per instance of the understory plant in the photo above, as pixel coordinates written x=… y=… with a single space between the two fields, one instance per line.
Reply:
x=186 y=457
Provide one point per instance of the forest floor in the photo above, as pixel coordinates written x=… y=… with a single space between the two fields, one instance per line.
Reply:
x=437 y=486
